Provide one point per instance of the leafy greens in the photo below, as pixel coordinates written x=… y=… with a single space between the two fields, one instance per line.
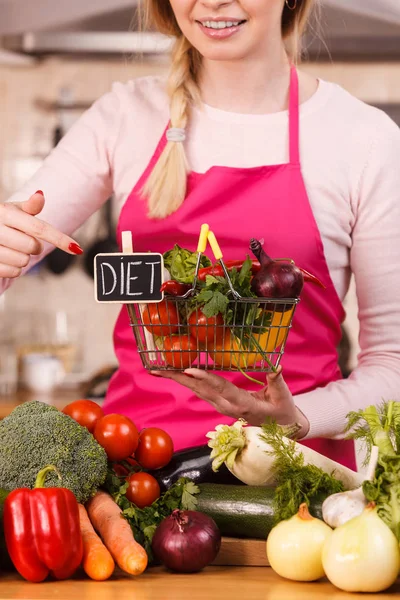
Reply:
x=181 y=263
x=380 y=426
x=144 y=521
x=244 y=319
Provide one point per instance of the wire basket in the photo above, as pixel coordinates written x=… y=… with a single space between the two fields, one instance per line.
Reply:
x=171 y=335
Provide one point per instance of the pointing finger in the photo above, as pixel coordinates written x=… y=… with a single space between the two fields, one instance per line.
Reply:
x=16 y=218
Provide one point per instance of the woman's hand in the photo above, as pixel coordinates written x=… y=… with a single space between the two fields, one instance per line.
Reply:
x=274 y=401
x=22 y=234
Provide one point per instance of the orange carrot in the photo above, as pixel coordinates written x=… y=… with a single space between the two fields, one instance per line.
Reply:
x=97 y=561
x=116 y=533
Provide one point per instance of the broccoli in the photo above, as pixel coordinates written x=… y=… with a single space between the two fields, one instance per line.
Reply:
x=35 y=435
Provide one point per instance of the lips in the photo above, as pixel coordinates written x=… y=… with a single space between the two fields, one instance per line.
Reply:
x=220 y=28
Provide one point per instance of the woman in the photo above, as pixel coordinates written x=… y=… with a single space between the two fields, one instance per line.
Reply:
x=326 y=194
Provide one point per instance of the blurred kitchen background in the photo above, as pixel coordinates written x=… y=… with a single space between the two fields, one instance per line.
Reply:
x=56 y=58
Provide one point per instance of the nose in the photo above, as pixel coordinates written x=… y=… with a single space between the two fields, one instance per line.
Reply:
x=216 y=4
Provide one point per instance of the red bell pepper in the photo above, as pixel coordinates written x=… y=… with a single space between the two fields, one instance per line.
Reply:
x=175 y=288
x=42 y=530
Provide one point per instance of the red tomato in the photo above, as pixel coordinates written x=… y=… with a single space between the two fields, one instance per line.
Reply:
x=205 y=329
x=85 y=412
x=155 y=448
x=180 y=351
x=161 y=318
x=143 y=489
x=118 y=436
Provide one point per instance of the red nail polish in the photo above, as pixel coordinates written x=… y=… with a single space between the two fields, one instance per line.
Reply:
x=40 y=192
x=75 y=248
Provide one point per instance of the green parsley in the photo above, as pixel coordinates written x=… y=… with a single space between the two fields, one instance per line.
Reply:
x=244 y=319
x=144 y=521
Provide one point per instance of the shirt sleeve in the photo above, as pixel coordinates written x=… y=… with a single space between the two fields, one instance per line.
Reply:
x=375 y=263
x=77 y=176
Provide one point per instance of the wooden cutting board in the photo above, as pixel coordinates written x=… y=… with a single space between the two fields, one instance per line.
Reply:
x=242 y=552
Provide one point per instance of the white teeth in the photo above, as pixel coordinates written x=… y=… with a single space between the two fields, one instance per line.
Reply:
x=219 y=24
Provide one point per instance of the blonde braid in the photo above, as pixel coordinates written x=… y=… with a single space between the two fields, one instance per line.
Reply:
x=165 y=189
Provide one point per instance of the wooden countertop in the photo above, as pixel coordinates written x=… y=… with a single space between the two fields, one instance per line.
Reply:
x=214 y=583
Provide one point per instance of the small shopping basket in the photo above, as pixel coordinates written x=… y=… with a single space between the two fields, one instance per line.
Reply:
x=174 y=334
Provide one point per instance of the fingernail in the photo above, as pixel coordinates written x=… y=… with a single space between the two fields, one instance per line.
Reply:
x=40 y=192
x=155 y=374
x=189 y=375
x=75 y=248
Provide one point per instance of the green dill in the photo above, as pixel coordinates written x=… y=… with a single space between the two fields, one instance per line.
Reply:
x=295 y=482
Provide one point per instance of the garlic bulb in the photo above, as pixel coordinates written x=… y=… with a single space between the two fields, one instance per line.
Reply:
x=362 y=555
x=340 y=508
x=294 y=547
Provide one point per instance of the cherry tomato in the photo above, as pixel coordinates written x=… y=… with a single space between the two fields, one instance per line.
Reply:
x=161 y=318
x=180 y=351
x=205 y=329
x=155 y=448
x=118 y=436
x=143 y=489
x=85 y=412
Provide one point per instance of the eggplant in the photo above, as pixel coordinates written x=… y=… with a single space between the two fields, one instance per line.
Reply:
x=195 y=464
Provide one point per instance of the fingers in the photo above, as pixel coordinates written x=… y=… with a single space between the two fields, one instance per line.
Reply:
x=13 y=258
x=276 y=382
x=16 y=240
x=223 y=395
x=16 y=218
x=34 y=205
x=9 y=271
x=179 y=377
x=217 y=383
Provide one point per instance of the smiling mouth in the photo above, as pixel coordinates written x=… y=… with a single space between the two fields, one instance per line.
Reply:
x=220 y=24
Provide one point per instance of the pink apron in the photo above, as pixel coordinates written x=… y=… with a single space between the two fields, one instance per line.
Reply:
x=267 y=202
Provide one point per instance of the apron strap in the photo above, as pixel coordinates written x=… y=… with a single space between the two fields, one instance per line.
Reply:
x=294 y=154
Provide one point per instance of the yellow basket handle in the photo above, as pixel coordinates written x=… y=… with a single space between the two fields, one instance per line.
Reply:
x=201 y=246
x=214 y=245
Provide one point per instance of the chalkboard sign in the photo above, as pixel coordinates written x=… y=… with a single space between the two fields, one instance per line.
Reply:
x=128 y=278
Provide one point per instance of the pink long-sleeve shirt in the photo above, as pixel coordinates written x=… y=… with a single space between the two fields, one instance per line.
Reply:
x=350 y=156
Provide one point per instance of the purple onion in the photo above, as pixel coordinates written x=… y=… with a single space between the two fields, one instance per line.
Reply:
x=275 y=279
x=186 y=541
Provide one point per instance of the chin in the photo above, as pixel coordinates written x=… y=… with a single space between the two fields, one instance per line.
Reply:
x=223 y=56
x=221 y=52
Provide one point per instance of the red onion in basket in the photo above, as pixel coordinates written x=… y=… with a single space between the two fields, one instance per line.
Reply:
x=186 y=541
x=275 y=279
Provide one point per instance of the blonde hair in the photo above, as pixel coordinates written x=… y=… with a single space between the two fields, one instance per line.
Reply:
x=165 y=189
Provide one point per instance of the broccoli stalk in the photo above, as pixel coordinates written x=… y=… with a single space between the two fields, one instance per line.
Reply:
x=36 y=435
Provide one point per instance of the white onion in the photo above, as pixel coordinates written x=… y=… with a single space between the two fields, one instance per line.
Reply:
x=362 y=555
x=294 y=547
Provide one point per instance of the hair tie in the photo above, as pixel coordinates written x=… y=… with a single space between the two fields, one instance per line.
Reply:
x=175 y=134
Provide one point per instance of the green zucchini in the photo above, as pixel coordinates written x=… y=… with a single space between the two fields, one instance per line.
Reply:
x=242 y=510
